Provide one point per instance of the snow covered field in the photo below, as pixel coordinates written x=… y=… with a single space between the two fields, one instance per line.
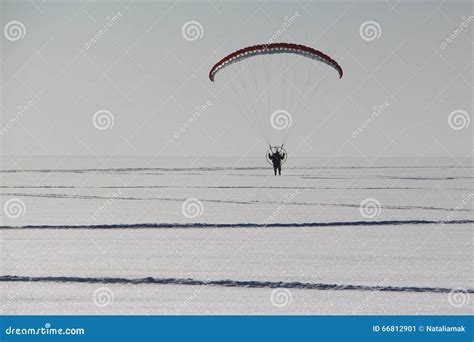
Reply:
x=301 y=243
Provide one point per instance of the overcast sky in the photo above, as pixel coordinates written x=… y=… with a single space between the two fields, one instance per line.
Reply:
x=60 y=67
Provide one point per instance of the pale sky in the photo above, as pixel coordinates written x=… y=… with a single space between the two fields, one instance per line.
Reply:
x=145 y=72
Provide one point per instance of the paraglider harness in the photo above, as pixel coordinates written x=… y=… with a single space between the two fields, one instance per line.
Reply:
x=270 y=155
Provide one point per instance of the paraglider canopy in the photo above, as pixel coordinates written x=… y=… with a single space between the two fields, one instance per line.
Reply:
x=272 y=84
x=267 y=49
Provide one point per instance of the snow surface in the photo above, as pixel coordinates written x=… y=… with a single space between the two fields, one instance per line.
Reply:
x=331 y=258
